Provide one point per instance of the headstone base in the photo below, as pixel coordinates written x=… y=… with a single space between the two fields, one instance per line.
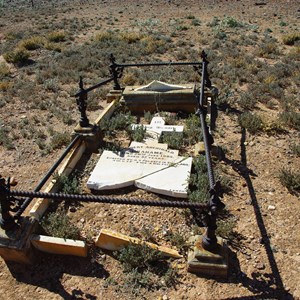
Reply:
x=113 y=95
x=91 y=135
x=208 y=263
x=15 y=244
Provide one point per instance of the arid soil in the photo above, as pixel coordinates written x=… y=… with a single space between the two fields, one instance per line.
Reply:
x=264 y=251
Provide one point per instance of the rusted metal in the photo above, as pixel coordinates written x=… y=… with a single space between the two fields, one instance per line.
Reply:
x=109 y=200
x=209 y=240
x=6 y=220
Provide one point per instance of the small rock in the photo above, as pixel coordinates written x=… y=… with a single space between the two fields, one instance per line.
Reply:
x=271 y=207
x=165 y=297
x=260 y=266
x=82 y=220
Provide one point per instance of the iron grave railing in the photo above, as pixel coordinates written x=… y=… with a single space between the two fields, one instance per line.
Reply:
x=10 y=204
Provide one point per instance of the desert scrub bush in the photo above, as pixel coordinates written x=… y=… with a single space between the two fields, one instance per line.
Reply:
x=145 y=267
x=56 y=36
x=173 y=139
x=291 y=38
x=290 y=119
x=231 y=22
x=290 y=179
x=247 y=101
x=225 y=227
x=18 y=56
x=32 y=43
x=4 y=70
x=59 y=139
x=192 y=133
x=5 y=139
x=131 y=37
x=268 y=50
x=148 y=116
x=68 y=184
x=138 y=133
x=295 y=149
x=198 y=182
x=138 y=256
x=177 y=240
x=57 y=224
x=119 y=121
x=251 y=121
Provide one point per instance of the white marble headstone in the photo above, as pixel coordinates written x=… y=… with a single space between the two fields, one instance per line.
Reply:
x=148 y=166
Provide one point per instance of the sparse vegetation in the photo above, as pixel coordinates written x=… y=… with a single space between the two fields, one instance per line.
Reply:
x=57 y=224
x=291 y=38
x=290 y=179
x=18 y=56
x=251 y=121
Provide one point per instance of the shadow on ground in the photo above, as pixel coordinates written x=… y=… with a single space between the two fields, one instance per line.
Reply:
x=48 y=270
x=262 y=284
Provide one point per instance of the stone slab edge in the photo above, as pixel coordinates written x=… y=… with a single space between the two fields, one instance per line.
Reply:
x=57 y=245
x=113 y=241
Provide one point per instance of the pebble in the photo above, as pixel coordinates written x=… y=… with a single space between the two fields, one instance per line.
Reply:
x=82 y=220
x=165 y=297
x=260 y=266
x=271 y=207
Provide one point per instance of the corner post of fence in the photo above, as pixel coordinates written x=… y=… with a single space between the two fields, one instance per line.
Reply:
x=82 y=104
x=6 y=219
x=209 y=240
x=115 y=71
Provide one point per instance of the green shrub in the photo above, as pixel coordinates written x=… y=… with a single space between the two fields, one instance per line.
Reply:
x=295 y=149
x=138 y=133
x=4 y=70
x=32 y=43
x=291 y=38
x=290 y=119
x=57 y=224
x=56 y=36
x=5 y=140
x=138 y=256
x=198 y=183
x=247 y=100
x=192 y=131
x=68 y=184
x=17 y=56
x=251 y=122
x=59 y=139
x=173 y=139
x=290 y=179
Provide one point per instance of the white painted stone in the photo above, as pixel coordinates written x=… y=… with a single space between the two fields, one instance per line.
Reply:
x=156 y=127
x=159 y=86
x=148 y=166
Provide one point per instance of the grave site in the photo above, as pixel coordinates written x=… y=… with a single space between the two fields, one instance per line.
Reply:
x=149 y=151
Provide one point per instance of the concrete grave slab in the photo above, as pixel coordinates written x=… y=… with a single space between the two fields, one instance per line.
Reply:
x=160 y=96
x=148 y=166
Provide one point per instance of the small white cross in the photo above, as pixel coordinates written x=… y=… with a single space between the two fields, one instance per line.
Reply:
x=157 y=126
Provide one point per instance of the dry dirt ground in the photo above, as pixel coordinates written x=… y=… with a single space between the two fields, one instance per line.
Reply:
x=264 y=255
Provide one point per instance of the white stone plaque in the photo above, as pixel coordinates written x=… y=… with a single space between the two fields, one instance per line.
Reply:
x=148 y=166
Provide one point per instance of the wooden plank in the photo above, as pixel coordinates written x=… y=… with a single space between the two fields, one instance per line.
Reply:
x=57 y=245
x=112 y=241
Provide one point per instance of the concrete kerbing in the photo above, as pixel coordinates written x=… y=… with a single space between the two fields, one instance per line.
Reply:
x=41 y=205
x=113 y=241
x=57 y=245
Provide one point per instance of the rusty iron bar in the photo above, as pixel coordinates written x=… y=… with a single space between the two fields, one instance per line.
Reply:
x=85 y=91
x=209 y=240
x=110 y=200
x=46 y=177
x=116 y=69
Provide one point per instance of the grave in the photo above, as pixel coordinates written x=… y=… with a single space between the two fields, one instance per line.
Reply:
x=151 y=167
x=159 y=95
